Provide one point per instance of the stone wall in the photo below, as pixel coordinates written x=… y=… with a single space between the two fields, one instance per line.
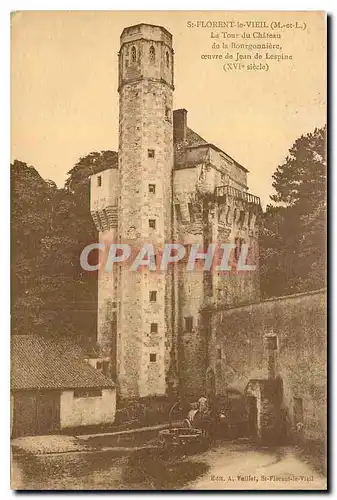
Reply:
x=75 y=412
x=197 y=289
x=238 y=352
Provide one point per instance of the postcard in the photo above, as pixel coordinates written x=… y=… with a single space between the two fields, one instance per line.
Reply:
x=168 y=235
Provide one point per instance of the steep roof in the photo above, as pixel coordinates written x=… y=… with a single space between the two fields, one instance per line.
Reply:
x=194 y=140
x=42 y=363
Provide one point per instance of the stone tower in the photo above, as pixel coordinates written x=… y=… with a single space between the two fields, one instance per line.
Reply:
x=169 y=185
x=145 y=164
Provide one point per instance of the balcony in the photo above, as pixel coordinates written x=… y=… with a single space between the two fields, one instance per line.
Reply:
x=222 y=191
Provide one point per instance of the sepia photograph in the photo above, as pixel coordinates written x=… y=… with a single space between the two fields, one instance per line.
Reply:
x=168 y=250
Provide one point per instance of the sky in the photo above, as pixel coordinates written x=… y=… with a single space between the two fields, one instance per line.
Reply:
x=64 y=99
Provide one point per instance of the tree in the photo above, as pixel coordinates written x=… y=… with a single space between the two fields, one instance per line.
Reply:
x=30 y=209
x=51 y=294
x=76 y=221
x=293 y=237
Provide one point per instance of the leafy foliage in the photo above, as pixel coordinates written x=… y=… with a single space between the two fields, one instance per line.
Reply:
x=51 y=293
x=292 y=243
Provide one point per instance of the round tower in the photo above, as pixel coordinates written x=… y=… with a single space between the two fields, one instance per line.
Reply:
x=145 y=176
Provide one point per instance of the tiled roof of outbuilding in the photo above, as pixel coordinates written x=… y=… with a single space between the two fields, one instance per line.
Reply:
x=42 y=363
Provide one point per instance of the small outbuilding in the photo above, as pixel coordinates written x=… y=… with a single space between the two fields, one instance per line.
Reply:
x=53 y=388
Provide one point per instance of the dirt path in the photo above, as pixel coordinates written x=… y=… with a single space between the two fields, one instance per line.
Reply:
x=239 y=466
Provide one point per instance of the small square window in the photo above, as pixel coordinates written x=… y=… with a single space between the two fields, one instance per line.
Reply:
x=150 y=153
x=189 y=324
x=153 y=357
x=153 y=296
x=271 y=341
x=99 y=181
x=152 y=188
x=152 y=223
x=154 y=328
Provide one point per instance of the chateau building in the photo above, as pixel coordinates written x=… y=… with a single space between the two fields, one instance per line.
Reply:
x=170 y=186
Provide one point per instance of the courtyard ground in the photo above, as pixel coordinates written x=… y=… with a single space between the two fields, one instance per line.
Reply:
x=227 y=466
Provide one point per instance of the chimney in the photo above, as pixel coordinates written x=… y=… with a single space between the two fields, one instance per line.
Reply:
x=179 y=124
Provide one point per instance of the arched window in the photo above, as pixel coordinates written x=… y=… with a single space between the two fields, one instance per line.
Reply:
x=167 y=59
x=133 y=54
x=152 y=54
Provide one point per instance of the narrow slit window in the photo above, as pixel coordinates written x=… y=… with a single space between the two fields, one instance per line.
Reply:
x=167 y=114
x=242 y=217
x=108 y=309
x=191 y=212
x=228 y=215
x=189 y=324
x=238 y=246
x=187 y=252
x=99 y=181
x=252 y=221
x=178 y=211
x=236 y=216
x=297 y=411
x=106 y=368
x=133 y=54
